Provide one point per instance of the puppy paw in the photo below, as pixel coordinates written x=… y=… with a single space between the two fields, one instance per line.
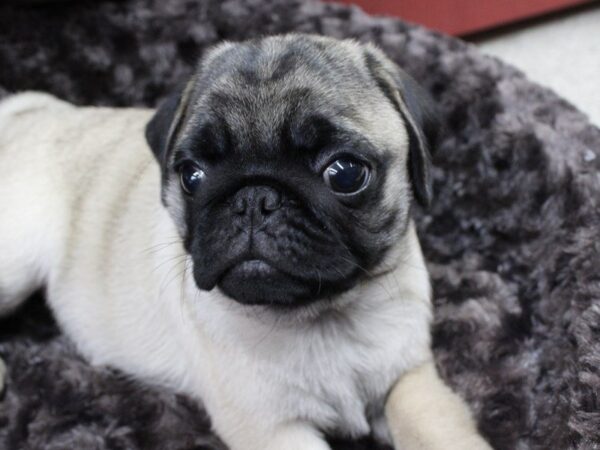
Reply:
x=297 y=436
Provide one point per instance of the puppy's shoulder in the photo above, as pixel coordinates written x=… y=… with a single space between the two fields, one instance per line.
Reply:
x=25 y=115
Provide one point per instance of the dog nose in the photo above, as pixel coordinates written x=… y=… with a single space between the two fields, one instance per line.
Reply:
x=256 y=202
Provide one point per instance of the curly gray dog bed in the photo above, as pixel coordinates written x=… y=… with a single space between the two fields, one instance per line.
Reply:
x=511 y=239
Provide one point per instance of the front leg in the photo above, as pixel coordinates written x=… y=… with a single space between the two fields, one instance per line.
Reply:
x=424 y=414
x=250 y=435
x=296 y=436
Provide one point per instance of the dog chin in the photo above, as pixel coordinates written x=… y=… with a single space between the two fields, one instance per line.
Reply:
x=257 y=282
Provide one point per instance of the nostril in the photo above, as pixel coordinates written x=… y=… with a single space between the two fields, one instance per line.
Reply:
x=270 y=203
x=255 y=201
x=239 y=206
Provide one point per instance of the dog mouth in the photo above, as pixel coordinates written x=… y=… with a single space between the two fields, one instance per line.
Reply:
x=256 y=281
x=251 y=268
x=254 y=276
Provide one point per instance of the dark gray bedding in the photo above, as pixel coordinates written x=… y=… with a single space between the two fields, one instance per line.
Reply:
x=512 y=239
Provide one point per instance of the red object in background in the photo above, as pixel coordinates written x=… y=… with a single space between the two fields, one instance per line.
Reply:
x=460 y=17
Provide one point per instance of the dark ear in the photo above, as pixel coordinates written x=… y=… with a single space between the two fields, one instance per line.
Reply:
x=161 y=127
x=419 y=114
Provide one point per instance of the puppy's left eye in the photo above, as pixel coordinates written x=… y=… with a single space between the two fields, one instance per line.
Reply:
x=190 y=177
x=346 y=176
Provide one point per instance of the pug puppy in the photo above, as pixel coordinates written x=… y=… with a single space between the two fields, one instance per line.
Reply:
x=256 y=251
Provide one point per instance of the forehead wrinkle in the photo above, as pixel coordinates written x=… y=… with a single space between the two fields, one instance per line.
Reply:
x=323 y=66
x=334 y=74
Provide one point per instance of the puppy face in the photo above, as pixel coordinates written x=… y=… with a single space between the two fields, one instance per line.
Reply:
x=289 y=164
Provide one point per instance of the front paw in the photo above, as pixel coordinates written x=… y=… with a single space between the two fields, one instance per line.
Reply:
x=297 y=437
x=289 y=436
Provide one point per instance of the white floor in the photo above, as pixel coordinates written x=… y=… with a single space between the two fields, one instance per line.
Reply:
x=562 y=53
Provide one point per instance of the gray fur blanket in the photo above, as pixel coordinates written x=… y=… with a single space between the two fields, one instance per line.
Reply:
x=512 y=239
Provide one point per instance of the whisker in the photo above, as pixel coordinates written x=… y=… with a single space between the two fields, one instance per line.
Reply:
x=165 y=285
x=269 y=331
x=176 y=258
x=157 y=247
x=182 y=290
x=369 y=274
x=320 y=280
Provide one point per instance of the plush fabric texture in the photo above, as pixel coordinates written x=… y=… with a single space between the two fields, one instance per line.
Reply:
x=511 y=239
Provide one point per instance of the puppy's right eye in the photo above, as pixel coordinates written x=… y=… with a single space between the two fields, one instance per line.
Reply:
x=190 y=177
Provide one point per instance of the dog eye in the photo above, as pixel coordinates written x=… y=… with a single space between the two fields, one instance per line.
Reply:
x=190 y=177
x=346 y=176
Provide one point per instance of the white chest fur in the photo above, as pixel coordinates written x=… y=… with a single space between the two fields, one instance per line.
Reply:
x=335 y=370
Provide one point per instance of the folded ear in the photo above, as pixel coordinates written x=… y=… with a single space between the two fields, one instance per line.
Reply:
x=418 y=112
x=163 y=125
